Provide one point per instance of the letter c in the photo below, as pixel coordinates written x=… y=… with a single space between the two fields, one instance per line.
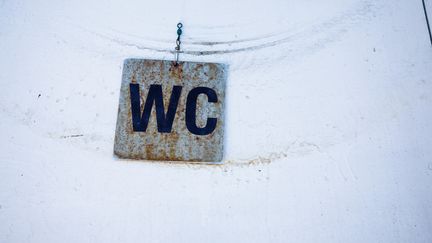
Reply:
x=191 y=111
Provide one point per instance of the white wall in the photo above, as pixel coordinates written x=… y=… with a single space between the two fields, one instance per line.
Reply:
x=328 y=135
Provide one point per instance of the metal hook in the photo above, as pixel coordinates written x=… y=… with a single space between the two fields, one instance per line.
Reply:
x=178 y=42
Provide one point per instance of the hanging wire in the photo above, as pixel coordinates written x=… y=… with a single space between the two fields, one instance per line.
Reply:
x=427 y=21
x=178 y=42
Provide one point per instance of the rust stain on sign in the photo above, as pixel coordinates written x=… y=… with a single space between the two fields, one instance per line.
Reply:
x=171 y=112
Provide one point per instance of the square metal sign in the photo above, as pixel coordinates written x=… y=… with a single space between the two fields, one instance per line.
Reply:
x=170 y=111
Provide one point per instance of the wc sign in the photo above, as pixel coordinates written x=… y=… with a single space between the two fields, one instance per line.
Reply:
x=171 y=112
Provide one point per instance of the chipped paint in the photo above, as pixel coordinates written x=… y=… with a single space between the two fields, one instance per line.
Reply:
x=180 y=144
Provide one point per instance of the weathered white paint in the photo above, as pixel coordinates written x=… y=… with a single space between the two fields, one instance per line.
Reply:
x=328 y=123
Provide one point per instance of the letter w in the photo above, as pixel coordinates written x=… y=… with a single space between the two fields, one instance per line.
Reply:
x=164 y=121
